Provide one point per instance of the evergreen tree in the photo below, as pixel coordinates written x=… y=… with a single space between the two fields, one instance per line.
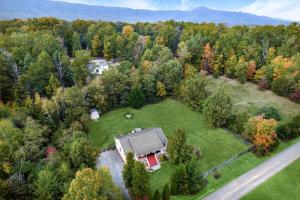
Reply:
x=178 y=150
x=8 y=78
x=128 y=170
x=180 y=181
x=76 y=45
x=156 y=195
x=136 y=98
x=140 y=181
x=53 y=85
x=166 y=193
x=46 y=185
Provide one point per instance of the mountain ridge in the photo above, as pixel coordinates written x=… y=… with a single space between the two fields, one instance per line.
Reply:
x=72 y=11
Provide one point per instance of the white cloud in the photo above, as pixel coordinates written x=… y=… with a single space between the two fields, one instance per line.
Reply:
x=284 y=9
x=186 y=5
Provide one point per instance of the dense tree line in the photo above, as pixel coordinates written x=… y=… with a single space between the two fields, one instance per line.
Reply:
x=46 y=91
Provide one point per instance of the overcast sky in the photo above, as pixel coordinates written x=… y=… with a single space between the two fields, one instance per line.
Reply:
x=285 y=9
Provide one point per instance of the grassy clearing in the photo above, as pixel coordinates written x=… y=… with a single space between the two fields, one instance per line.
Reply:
x=284 y=185
x=217 y=145
x=248 y=98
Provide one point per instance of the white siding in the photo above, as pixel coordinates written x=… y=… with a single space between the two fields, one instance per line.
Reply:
x=120 y=150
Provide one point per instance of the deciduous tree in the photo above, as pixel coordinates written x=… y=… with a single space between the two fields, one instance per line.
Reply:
x=217 y=108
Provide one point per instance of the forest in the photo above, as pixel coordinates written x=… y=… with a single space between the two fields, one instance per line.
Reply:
x=47 y=90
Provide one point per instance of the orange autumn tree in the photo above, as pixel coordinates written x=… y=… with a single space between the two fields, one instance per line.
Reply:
x=261 y=132
x=263 y=143
x=207 y=62
x=251 y=70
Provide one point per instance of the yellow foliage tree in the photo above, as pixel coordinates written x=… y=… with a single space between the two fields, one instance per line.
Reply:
x=281 y=66
x=161 y=89
x=127 y=30
x=92 y=184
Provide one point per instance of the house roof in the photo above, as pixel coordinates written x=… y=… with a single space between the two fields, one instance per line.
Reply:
x=143 y=142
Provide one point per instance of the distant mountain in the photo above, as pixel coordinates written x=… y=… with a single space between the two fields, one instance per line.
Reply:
x=10 y=9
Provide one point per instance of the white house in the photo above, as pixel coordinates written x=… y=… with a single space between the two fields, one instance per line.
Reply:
x=146 y=145
x=97 y=66
x=95 y=114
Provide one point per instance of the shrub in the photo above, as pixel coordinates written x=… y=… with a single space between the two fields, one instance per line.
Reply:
x=284 y=132
x=263 y=84
x=197 y=153
x=163 y=157
x=295 y=96
x=283 y=85
x=269 y=113
x=237 y=121
x=263 y=143
x=4 y=111
x=294 y=126
x=258 y=125
x=217 y=174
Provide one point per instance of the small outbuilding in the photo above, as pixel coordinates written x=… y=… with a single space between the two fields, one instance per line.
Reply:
x=146 y=145
x=95 y=114
x=97 y=66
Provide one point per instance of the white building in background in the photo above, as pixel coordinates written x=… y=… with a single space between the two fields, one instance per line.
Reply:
x=95 y=114
x=97 y=66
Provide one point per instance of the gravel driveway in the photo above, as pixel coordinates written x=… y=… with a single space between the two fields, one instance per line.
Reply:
x=250 y=180
x=114 y=162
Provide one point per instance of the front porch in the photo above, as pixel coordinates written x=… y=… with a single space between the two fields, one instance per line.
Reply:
x=151 y=161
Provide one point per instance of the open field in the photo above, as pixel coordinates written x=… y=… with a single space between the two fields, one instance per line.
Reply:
x=247 y=97
x=217 y=145
x=284 y=185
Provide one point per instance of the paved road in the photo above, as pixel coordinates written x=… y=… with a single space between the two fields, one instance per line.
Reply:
x=250 y=180
x=114 y=162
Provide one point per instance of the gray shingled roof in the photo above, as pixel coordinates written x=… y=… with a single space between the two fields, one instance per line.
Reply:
x=143 y=142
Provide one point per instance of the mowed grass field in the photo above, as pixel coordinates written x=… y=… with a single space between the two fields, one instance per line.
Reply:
x=284 y=185
x=248 y=98
x=217 y=145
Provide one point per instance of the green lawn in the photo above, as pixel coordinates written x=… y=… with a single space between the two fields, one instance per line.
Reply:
x=217 y=145
x=284 y=185
x=234 y=170
x=248 y=97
